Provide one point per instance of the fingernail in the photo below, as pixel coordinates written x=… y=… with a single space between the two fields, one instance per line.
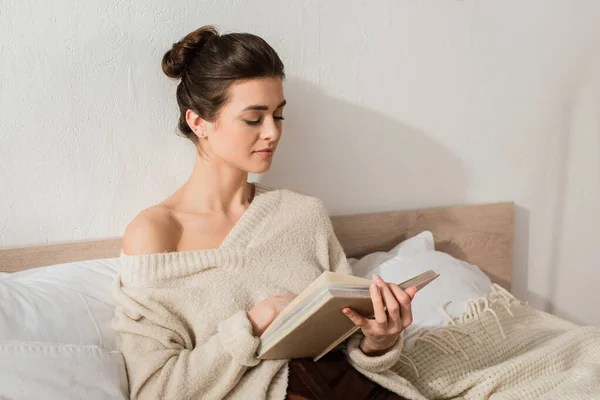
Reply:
x=346 y=311
x=373 y=287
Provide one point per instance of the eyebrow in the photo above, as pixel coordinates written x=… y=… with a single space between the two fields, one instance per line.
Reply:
x=263 y=108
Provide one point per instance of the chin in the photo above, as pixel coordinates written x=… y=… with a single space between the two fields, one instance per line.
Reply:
x=259 y=168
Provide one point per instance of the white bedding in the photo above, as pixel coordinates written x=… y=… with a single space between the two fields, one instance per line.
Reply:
x=64 y=303
x=52 y=371
x=55 y=335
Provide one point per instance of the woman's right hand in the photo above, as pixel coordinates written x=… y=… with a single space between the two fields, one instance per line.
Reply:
x=265 y=311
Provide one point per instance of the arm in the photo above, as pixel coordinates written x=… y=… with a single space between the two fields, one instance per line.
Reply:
x=162 y=357
x=163 y=362
x=357 y=353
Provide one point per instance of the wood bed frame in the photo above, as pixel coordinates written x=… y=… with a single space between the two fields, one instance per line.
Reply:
x=479 y=234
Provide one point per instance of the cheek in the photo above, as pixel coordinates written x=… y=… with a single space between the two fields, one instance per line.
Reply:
x=235 y=141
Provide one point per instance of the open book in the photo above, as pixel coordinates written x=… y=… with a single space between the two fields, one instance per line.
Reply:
x=313 y=323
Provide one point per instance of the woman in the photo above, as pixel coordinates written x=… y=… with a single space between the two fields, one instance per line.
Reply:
x=206 y=271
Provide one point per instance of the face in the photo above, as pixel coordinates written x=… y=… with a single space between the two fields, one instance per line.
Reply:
x=248 y=127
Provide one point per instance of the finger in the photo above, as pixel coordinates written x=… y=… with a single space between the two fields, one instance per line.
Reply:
x=379 y=311
x=355 y=317
x=411 y=291
x=392 y=306
x=405 y=305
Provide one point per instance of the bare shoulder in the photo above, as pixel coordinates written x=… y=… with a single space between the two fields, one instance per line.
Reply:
x=153 y=230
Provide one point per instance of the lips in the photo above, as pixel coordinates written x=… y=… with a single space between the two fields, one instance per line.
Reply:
x=265 y=151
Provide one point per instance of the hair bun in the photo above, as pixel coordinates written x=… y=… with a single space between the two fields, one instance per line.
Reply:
x=177 y=58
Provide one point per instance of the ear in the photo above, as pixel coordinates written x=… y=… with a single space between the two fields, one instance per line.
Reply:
x=196 y=123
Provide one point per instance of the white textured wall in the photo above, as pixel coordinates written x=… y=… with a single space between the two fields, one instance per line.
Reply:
x=392 y=104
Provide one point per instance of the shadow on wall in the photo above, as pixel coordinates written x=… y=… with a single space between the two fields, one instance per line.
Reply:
x=360 y=160
x=520 y=276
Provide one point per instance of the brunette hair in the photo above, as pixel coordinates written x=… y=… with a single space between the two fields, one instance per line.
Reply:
x=208 y=63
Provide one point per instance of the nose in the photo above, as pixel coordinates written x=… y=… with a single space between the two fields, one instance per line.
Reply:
x=271 y=130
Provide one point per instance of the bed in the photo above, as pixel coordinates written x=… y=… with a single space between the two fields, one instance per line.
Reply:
x=87 y=365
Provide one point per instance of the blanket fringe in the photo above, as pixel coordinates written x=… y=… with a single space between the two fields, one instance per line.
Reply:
x=475 y=308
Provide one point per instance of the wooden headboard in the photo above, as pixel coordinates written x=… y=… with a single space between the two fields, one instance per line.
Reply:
x=479 y=234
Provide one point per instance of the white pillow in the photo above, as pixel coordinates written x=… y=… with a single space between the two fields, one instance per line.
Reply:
x=418 y=244
x=36 y=370
x=65 y=303
x=458 y=282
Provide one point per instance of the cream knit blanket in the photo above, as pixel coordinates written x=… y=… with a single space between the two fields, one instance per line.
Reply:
x=500 y=348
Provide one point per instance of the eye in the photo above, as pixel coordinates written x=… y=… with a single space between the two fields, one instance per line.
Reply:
x=252 y=123
x=258 y=121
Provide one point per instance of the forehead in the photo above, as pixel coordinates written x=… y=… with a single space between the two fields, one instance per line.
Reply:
x=259 y=91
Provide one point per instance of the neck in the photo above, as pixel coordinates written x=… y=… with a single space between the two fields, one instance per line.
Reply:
x=216 y=188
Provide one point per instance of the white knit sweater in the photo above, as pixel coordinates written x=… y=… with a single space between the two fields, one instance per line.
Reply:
x=182 y=316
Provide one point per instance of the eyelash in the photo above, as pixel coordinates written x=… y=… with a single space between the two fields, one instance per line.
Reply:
x=252 y=123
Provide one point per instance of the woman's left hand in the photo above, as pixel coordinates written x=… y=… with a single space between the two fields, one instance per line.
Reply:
x=383 y=331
